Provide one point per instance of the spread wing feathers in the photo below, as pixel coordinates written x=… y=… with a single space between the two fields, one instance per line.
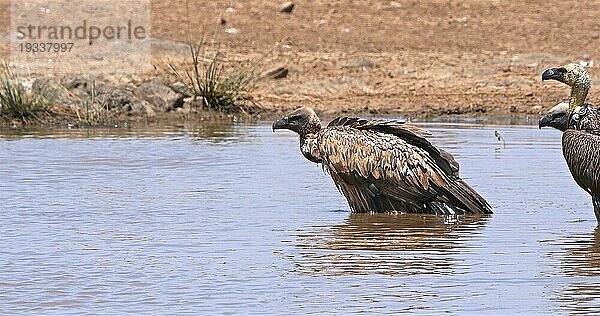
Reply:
x=582 y=153
x=386 y=126
x=407 y=132
x=379 y=172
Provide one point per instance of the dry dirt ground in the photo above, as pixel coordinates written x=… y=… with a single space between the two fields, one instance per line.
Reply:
x=396 y=57
x=389 y=57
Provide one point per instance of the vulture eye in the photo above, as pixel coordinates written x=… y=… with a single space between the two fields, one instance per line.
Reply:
x=560 y=114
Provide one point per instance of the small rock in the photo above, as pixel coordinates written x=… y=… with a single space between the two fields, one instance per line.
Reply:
x=143 y=107
x=116 y=98
x=232 y=30
x=182 y=88
x=287 y=7
x=160 y=96
x=74 y=83
x=276 y=73
x=361 y=63
x=191 y=105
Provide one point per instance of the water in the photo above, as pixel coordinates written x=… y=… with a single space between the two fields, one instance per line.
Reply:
x=231 y=219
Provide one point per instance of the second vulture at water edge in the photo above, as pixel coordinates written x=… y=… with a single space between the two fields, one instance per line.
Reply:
x=580 y=124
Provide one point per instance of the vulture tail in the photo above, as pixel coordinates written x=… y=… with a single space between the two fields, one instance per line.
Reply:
x=461 y=199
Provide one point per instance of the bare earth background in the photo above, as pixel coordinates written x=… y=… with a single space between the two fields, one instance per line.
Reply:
x=394 y=57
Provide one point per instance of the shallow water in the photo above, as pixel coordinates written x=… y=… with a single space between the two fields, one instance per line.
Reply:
x=231 y=219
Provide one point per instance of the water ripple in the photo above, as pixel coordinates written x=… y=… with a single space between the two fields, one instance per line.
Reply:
x=231 y=219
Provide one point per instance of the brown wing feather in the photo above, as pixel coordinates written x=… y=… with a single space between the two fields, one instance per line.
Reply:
x=379 y=171
x=391 y=125
x=409 y=133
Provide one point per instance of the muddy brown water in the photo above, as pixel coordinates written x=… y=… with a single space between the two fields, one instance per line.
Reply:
x=231 y=219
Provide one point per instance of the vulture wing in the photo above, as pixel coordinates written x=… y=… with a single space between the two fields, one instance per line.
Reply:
x=581 y=149
x=385 y=166
x=409 y=133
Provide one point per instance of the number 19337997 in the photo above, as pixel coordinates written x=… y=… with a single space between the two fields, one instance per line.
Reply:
x=45 y=47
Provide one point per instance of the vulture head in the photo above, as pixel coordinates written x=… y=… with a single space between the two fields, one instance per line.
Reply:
x=303 y=121
x=557 y=117
x=573 y=75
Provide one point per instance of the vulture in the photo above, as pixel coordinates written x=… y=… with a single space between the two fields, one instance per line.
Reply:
x=585 y=116
x=384 y=165
x=579 y=123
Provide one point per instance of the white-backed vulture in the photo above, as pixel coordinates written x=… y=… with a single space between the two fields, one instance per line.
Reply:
x=384 y=166
x=580 y=124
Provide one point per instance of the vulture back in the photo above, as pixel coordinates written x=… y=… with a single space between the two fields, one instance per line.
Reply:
x=386 y=166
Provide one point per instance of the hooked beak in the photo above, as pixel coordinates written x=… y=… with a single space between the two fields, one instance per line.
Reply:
x=544 y=121
x=553 y=74
x=280 y=124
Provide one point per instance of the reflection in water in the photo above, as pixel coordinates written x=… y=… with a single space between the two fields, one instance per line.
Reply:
x=386 y=244
x=213 y=130
x=582 y=254
x=581 y=262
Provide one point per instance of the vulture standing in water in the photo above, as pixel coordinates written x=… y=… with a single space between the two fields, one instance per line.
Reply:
x=580 y=124
x=384 y=166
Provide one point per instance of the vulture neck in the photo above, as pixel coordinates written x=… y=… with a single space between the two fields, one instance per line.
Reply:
x=579 y=92
x=309 y=144
x=310 y=148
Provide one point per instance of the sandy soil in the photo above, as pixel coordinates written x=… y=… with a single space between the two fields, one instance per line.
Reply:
x=387 y=57
x=396 y=57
